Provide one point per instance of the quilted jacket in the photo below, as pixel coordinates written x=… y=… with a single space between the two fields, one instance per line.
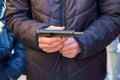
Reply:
x=99 y=20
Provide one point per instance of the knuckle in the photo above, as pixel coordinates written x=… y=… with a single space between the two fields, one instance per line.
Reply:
x=70 y=56
x=40 y=46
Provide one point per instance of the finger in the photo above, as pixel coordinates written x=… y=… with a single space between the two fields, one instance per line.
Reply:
x=69 y=47
x=68 y=42
x=70 y=53
x=45 y=40
x=63 y=39
x=54 y=49
x=55 y=44
x=44 y=46
x=55 y=28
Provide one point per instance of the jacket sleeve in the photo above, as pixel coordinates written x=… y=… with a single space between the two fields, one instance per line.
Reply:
x=20 y=22
x=103 y=30
x=16 y=62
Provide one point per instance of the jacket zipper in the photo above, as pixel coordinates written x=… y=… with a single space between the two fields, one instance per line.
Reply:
x=63 y=13
x=64 y=65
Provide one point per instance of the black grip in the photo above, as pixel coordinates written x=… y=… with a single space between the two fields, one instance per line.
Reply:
x=51 y=33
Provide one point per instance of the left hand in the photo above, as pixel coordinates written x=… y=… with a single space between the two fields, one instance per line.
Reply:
x=51 y=44
x=70 y=48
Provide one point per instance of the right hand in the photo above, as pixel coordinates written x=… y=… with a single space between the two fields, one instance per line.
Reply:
x=51 y=44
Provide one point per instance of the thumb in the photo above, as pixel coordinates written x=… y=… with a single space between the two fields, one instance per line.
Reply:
x=55 y=28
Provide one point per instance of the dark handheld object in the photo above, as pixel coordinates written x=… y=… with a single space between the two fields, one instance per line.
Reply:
x=60 y=33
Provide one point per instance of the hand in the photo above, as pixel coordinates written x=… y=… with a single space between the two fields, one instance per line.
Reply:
x=52 y=44
x=70 y=48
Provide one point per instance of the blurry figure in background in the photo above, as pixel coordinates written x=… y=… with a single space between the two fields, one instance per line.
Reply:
x=12 y=65
x=113 y=58
x=118 y=46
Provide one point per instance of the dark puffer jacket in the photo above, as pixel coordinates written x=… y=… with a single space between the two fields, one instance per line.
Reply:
x=98 y=19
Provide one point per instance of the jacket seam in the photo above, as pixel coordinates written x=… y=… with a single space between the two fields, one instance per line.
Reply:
x=81 y=12
x=44 y=13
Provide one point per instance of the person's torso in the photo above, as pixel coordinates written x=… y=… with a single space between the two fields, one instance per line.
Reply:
x=75 y=15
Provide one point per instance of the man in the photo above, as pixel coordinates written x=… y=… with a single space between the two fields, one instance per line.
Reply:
x=12 y=64
x=65 y=58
